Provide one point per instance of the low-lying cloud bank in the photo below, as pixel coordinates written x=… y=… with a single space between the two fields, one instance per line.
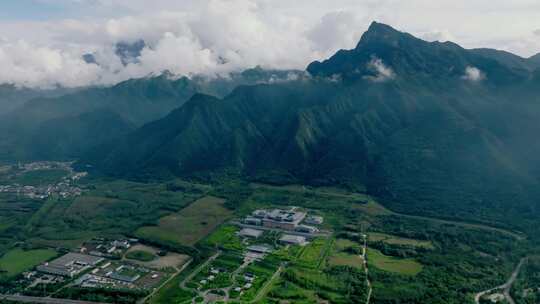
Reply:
x=216 y=38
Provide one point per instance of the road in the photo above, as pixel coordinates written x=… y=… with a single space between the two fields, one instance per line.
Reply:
x=504 y=287
x=178 y=271
x=38 y=300
x=364 y=258
x=264 y=290
x=196 y=271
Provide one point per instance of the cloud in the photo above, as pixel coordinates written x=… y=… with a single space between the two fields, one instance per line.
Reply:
x=438 y=35
x=473 y=74
x=335 y=31
x=219 y=36
x=537 y=32
x=382 y=72
x=24 y=64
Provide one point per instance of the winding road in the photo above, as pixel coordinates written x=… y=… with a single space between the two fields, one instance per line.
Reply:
x=504 y=287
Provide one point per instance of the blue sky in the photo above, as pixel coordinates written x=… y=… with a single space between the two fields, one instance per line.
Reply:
x=33 y=10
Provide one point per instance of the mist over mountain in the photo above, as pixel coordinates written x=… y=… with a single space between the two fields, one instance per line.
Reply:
x=34 y=122
x=426 y=126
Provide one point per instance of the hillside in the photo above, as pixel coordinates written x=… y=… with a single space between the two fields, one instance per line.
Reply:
x=31 y=118
x=428 y=127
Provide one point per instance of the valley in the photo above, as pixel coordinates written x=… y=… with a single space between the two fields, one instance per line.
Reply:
x=198 y=231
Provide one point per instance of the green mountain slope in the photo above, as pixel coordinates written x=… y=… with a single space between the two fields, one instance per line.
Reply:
x=126 y=105
x=397 y=115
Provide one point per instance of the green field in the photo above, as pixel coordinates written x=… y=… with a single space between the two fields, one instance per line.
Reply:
x=225 y=237
x=16 y=261
x=313 y=254
x=346 y=253
x=392 y=264
x=190 y=224
x=395 y=240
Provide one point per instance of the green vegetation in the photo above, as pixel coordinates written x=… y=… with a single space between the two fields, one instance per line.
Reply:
x=110 y=208
x=140 y=255
x=101 y=295
x=40 y=177
x=18 y=260
x=346 y=253
x=314 y=254
x=189 y=225
x=394 y=240
x=225 y=237
x=391 y=264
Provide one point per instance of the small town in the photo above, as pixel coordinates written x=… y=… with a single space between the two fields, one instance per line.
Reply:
x=42 y=190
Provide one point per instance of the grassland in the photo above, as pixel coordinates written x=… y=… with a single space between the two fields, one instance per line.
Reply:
x=315 y=253
x=225 y=237
x=392 y=264
x=346 y=253
x=190 y=224
x=395 y=240
x=17 y=260
x=107 y=209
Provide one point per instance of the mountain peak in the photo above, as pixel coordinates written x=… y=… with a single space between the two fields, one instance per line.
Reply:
x=382 y=33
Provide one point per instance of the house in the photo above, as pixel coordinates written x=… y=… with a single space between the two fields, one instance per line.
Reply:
x=69 y=265
x=253 y=221
x=260 y=248
x=249 y=232
x=306 y=229
x=289 y=239
x=314 y=220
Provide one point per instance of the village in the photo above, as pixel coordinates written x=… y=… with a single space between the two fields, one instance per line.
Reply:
x=123 y=264
x=42 y=189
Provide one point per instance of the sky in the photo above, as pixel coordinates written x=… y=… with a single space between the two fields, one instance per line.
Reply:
x=42 y=42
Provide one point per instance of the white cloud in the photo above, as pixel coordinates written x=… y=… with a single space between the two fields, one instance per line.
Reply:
x=438 y=35
x=473 y=74
x=382 y=72
x=537 y=32
x=218 y=36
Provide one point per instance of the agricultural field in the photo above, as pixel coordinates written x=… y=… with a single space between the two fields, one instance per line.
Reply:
x=108 y=209
x=17 y=260
x=189 y=225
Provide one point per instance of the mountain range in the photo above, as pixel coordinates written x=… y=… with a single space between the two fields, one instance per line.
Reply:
x=427 y=127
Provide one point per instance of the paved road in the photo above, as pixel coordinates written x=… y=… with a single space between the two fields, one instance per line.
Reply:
x=504 y=287
x=38 y=300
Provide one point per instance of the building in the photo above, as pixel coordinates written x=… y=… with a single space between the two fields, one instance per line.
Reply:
x=260 y=248
x=249 y=232
x=289 y=239
x=306 y=229
x=253 y=221
x=70 y=264
x=277 y=218
x=314 y=220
